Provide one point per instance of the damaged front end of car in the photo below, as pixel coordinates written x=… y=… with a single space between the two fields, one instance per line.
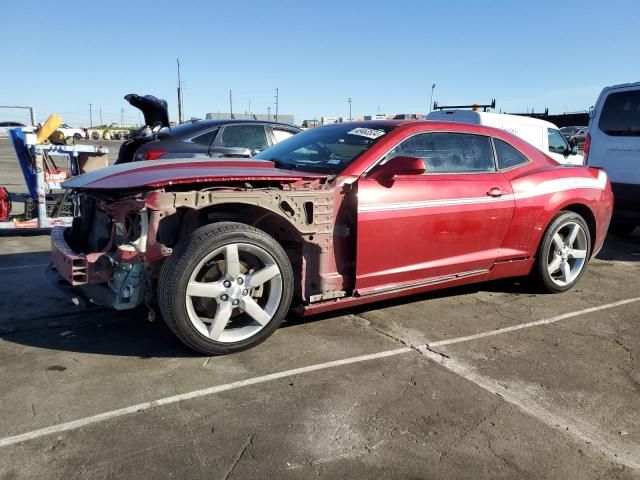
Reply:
x=113 y=254
x=104 y=257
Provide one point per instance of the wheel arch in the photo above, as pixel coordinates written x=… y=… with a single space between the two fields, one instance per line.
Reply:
x=585 y=212
x=276 y=225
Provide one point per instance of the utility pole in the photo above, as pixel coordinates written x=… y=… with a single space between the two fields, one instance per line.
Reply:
x=101 y=116
x=433 y=87
x=349 y=100
x=249 y=106
x=180 y=95
x=231 y=103
x=276 y=104
x=269 y=113
x=121 y=116
x=90 y=115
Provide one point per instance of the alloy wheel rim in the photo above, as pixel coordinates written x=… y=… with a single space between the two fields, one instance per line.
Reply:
x=234 y=292
x=567 y=253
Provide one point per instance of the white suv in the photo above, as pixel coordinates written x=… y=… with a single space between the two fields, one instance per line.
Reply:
x=613 y=143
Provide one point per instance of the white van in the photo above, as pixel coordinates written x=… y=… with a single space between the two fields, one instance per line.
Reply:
x=613 y=143
x=539 y=133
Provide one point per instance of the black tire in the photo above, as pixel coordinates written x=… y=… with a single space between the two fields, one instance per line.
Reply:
x=178 y=268
x=77 y=137
x=621 y=228
x=540 y=271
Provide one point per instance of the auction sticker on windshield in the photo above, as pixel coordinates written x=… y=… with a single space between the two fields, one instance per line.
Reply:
x=371 y=133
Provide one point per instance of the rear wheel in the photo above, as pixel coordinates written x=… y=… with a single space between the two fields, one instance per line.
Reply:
x=226 y=288
x=563 y=253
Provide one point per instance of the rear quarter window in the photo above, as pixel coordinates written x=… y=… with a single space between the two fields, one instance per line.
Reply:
x=205 y=139
x=620 y=116
x=507 y=156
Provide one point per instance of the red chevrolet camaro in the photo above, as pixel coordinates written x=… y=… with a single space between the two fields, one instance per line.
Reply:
x=334 y=217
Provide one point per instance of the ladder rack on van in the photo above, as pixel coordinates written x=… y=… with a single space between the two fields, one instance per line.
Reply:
x=474 y=106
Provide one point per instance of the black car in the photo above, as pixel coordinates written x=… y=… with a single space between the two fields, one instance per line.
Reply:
x=198 y=138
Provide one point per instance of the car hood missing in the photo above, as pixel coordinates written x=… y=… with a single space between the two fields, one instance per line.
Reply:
x=155 y=174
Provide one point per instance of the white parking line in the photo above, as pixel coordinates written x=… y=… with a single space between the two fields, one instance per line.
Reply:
x=75 y=424
x=63 y=427
x=544 y=321
x=530 y=403
x=24 y=266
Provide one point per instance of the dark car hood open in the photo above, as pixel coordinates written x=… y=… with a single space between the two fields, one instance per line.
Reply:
x=161 y=173
x=155 y=110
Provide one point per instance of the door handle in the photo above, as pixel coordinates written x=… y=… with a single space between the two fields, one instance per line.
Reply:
x=496 y=192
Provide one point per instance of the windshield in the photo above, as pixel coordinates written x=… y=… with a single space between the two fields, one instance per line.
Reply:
x=328 y=149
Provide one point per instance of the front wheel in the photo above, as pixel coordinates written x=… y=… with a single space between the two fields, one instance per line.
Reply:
x=226 y=288
x=563 y=253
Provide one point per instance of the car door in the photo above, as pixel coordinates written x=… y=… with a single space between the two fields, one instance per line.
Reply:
x=241 y=140
x=449 y=221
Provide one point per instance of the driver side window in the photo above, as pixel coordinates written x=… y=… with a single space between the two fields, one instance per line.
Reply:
x=444 y=152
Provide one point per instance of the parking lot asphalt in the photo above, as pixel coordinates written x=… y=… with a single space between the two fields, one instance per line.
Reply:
x=486 y=381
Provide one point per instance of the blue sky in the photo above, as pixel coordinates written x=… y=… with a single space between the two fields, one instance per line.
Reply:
x=383 y=54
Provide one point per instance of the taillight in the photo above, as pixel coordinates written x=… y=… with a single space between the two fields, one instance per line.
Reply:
x=587 y=146
x=153 y=154
x=5 y=204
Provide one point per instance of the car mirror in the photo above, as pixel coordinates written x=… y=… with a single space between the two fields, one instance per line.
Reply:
x=573 y=142
x=399 y=166
x=574 y=150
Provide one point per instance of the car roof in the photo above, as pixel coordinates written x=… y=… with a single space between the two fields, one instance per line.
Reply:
x=494 y=116
x=198 y=125
x=622 y=85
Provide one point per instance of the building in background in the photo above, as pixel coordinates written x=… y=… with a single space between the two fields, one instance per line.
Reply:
x=263 y=117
